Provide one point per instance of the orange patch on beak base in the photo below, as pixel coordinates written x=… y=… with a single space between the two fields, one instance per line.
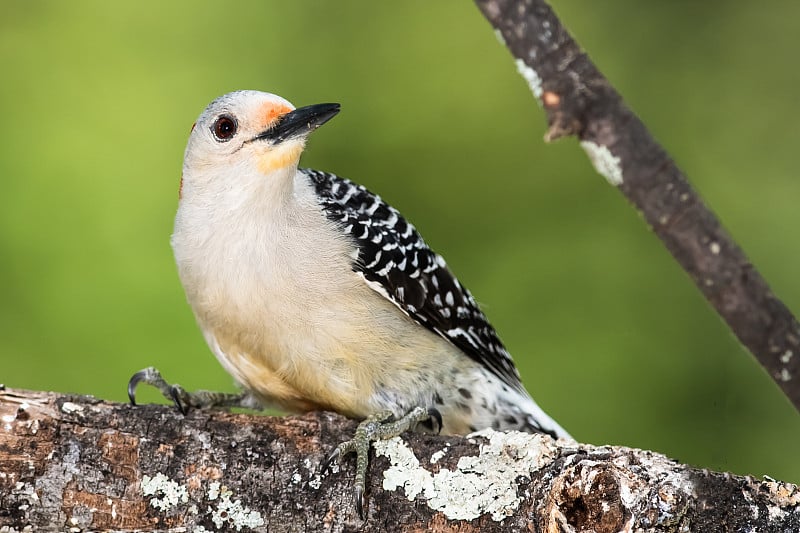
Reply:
x=271 y=112
x=284 y=154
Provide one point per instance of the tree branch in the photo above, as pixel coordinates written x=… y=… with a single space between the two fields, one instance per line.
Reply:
x=77 y=463
x=580 y=101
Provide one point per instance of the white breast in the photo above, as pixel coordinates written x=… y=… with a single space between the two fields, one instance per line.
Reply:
x=271 y=283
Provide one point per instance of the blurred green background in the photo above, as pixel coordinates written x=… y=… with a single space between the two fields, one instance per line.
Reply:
x=611 y=337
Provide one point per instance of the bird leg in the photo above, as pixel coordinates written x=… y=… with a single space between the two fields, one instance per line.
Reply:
x=379 y=426
x=183 y=400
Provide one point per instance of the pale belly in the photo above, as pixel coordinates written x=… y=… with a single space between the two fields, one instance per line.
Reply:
x=351 y=350
x=345 y=348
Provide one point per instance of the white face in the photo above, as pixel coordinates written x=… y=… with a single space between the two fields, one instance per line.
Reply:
x=225 y=139
x=247 y=138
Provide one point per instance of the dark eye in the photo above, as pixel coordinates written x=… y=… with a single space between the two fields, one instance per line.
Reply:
x=224 y=128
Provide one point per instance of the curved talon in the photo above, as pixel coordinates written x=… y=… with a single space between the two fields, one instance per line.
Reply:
x=359 y=497
x=176 y=393
x=335 y=455
x=152 y=376
x=137 y=378
x=436 y=416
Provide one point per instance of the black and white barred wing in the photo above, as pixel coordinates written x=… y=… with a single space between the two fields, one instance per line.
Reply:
x=396 y=262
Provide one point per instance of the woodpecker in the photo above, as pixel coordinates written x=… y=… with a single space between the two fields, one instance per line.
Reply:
x=315 y=294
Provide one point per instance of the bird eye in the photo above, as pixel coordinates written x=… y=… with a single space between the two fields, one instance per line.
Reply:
x=224 y=128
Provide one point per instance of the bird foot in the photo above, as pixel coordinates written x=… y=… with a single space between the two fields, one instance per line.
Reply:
x=377 y=427
x=184 y=400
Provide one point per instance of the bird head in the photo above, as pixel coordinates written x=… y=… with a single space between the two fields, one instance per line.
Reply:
x=248 y=135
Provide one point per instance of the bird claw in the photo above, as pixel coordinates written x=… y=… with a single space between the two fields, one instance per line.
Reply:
x=436 y=416
x=184 y=400
x=359 y=496
x=374 y=428
x=149 y=375
x=180 y=398
x=335 y=455
x=152 y=376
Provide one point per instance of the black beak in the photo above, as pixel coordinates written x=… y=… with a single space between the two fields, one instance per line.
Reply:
x=299 y=123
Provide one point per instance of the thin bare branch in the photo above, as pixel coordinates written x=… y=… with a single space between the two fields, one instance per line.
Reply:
x=580 y=101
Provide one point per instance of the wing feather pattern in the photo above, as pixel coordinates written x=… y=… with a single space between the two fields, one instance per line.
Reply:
x=395 y=261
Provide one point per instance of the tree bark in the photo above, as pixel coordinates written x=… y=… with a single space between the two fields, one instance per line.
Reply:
x=76 y=463
x=580 y=101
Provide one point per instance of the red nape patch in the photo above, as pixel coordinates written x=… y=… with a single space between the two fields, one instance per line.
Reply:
x=180 y=188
